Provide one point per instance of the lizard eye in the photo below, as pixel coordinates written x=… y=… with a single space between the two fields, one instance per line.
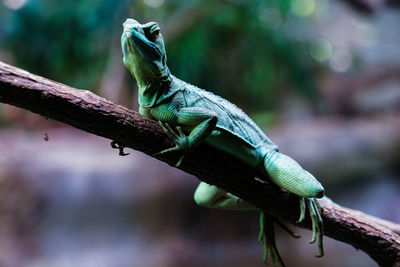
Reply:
x=155 y=34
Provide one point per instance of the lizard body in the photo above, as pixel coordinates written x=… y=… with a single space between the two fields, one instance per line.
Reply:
x=190 y=116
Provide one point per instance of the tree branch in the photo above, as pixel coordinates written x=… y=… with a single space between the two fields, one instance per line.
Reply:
x=89 y=112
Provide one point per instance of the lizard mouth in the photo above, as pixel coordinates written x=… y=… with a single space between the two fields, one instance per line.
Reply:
x=126 y=44
x=132 y=39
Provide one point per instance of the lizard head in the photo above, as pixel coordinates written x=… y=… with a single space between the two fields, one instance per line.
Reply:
x=144 y=51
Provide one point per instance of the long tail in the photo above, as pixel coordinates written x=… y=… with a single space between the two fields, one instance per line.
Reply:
x=288 y=174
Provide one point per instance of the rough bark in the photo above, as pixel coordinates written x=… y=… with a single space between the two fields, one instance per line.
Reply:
x=89 y=112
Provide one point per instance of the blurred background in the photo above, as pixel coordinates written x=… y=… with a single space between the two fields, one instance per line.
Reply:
x=321 y=78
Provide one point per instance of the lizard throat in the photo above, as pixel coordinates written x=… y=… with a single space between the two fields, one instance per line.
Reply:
x=155 y=91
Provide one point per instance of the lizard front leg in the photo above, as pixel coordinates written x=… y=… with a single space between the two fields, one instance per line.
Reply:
x=198 y=122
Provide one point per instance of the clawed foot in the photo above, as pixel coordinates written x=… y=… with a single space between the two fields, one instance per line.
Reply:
x=316 y=220
x=267 y=237
x=120 y=147
x=180 y=139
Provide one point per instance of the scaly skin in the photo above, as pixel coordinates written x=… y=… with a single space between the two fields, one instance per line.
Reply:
x=190 y=116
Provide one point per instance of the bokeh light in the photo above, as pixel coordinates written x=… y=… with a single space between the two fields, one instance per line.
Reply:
x=302 y=8
x=341 y=60
x=322 y=9
x=154 y=3
x=14 y=4
x=321 y=49
x=270 y=17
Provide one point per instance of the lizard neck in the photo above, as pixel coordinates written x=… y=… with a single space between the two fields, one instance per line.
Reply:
x=151 y=91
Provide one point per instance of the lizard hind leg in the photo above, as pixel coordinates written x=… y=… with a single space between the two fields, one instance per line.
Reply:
x=316 y=221
x=267 y=237
x=211 y=196
x=288 y=174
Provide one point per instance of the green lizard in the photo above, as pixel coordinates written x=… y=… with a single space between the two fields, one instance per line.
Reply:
x=190 y=116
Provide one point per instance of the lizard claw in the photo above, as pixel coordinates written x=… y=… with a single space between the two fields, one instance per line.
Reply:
x=180 y=139
x=179 y=161
x=119 y=146
x=316 y=221
x=267 y=238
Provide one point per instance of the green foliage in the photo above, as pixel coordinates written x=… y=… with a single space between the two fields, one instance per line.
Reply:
x=242 y=50
x=248 y=61
x=67 y=41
